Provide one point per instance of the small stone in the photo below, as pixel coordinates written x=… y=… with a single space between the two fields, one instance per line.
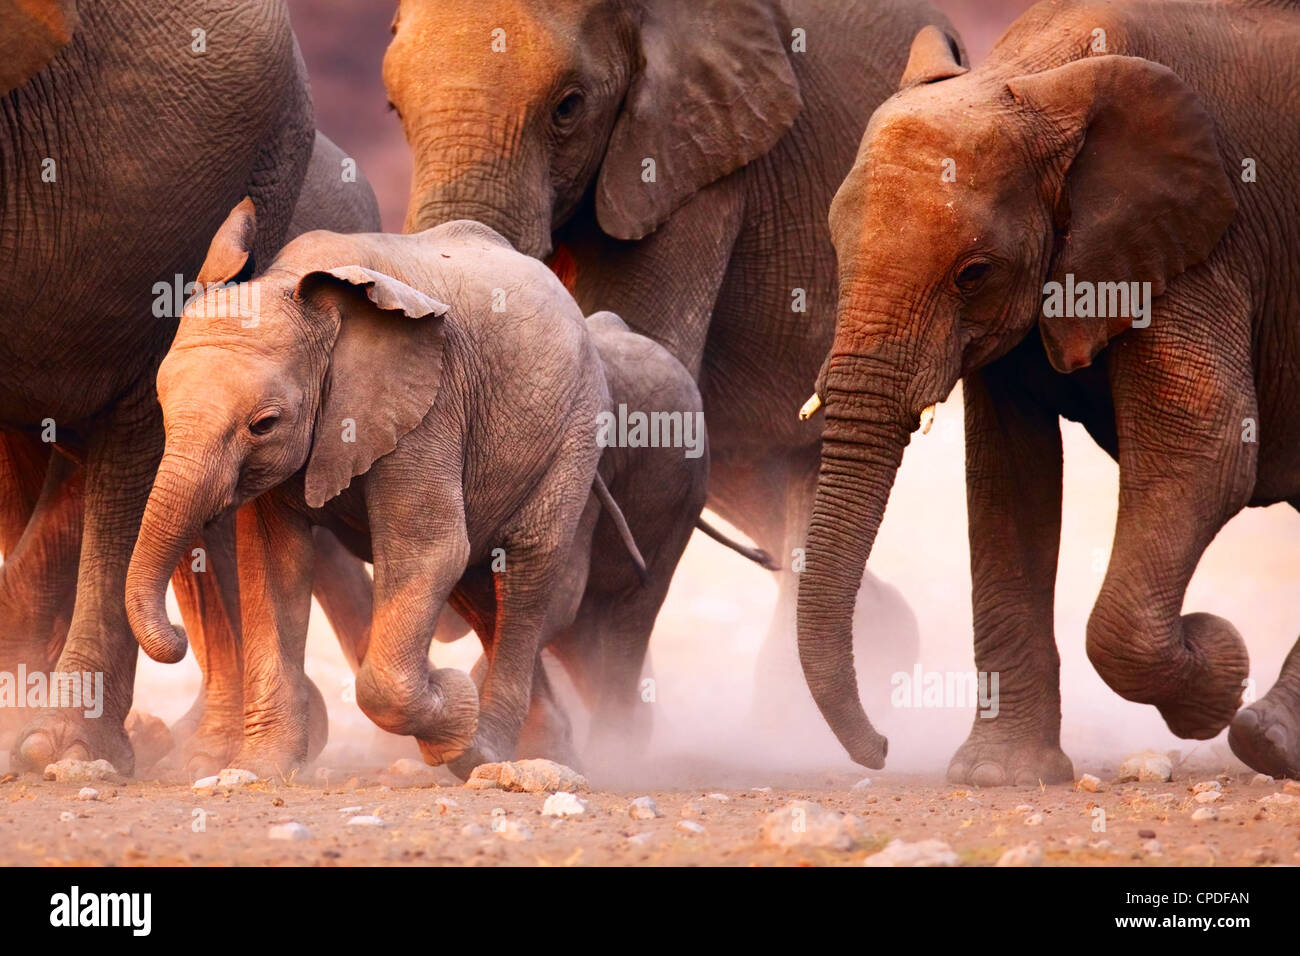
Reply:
x=79 y=771
x=527 y=776
x=1034 y=820
x=643 y=808
x=1208 y=796
x=564 y=804
x=365 y=821
x=67 y=816
x=512 y=830
x=693 y=810
x=1146 y=834
x=862 y=784
x=233 y=778
x=923 y=853
x=87 y=793
x=1279 y=800
x=1152 y=848
x=288 y=831
x=349 y=809
x=761 y=789
x=640 y=839
x=150 y=738
x=804 y=823
x=1148 y=766
x=1205 y=813
x=1031 y=854
x=1260 y=780
x=1206 y=786
x=690 y=826
x=1100 y=845
x=204 y=783
x=444 y=805
x=1089 y=783
x=720 y=797
x=1024 y=808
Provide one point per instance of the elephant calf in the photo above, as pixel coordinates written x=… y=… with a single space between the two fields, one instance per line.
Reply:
x=430 y=399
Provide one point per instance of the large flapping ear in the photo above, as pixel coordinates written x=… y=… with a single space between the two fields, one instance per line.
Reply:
x=716 y=90
x=383 y=375
x=32 y=32
x=230 y=254
x=935 y=56
x=1145 y=193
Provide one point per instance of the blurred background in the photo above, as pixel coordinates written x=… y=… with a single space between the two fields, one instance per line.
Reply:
x=717 y=613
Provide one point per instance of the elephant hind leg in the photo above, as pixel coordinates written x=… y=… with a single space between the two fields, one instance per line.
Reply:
x=1266 y=734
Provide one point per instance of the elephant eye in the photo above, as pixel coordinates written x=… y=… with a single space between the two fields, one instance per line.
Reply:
x=972 y=276
x=263 y=425
x=568 y=108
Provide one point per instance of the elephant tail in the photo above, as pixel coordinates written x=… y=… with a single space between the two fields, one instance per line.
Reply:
x=616 y=514
x=757 y=555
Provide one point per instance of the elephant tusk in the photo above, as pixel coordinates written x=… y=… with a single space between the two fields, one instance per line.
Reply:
x=810 y=407
x=927 y=418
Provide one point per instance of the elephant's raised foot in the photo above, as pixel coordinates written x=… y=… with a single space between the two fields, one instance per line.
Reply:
x=1266 y=735
x=68 y=734
x=985 y=760
x=1210 y=694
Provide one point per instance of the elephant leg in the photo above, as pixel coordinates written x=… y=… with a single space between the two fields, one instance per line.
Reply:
x=1182 y=390
x=275 y=551
x=121 y=461
x=38 y=580
x=1013 y=500
x=207 y=592
x=1266 y=735
x=23 y=463
x=345 y=592
x=421 y=549
x=547 y=731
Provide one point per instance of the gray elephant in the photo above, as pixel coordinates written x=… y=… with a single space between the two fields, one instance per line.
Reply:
x=679 y=159
x=1100 y=223
x=434 y=439
x=108 y=190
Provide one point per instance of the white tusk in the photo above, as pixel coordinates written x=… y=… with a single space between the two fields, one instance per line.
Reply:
x=927 y=418
x=810 y=407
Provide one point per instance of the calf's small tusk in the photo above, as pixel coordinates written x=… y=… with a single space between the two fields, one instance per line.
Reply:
x=927 y=418
x=810 y=407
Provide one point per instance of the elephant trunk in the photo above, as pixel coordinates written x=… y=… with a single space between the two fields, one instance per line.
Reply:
x=862 y=447
x=179 y=506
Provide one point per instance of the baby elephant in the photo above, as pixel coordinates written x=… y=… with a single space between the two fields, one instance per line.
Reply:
x=432 y=400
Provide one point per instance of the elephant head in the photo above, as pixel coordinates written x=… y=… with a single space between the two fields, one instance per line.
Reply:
x=32 y=32
x=517 y=110
x=971 y=191
x=320 y=370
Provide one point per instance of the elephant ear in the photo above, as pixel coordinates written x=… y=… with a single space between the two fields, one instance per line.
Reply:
x=383 y=375
x=230 y=255
x=1145 y=195
x=935 y=56
x=715 y=91
x=32 y=32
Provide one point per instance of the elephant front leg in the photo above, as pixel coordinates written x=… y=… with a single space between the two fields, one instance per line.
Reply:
x=275 y=574
x=1013 y=499
x=1183 y=397
x=1266 y=735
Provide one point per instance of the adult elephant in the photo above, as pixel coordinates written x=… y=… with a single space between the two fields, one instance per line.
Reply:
x=1100 y=143
x=679 y=160
x=128 y=134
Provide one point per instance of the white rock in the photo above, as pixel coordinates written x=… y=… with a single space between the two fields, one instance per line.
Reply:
x=1208 y=796
x=204 y=783
x=1034 y=820
x=640 y=839
x=1030 y=854
x=761 y=789
x=528 y=776
x=923 y=853
x=1260 y=780
x=564 y=804
x=1089 y=783
x=365 y=821
x=720 y=797
x=349 y=809
x=862 y=784
x=1205 y=813
x=1148 y=766
x=67 y=816
x=87 y=793
x=690 y=826
x=1279 y=800
x=643 y=808
x=79 y=771
x=1205 y=786
x=233 y=777
x=804 y=823
x=288 y=831
x=1024 y=808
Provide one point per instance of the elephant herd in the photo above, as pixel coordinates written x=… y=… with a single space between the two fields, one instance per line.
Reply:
x=628 y=218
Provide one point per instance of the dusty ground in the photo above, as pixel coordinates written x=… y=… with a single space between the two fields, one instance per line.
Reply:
x=144 y=823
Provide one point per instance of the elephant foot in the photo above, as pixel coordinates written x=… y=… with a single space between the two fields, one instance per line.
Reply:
x=62 y=734
x=1266 y=735
x=479 y=752
x=275 y=760
x=1210 y=694
x=986 y=760
x=210 y=747
x=443 y=719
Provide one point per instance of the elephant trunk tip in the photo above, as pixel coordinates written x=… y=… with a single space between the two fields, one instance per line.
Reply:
x=870 y=752
x=156 y=635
